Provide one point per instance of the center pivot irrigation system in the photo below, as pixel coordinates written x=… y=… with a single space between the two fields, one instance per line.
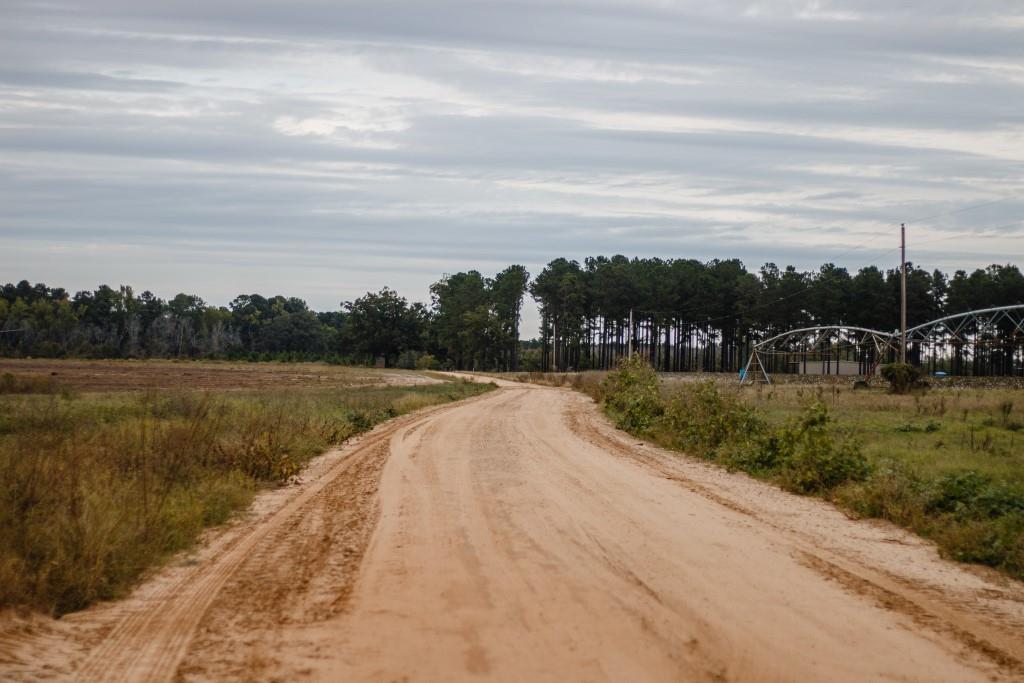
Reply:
x=988 y=341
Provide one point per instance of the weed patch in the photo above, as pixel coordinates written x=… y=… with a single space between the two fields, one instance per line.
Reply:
x=15 y=384
x=804 y=455
x=97 y=488
x=813 y=458
x=705 y=418
x=964 y=490
x=631 y=395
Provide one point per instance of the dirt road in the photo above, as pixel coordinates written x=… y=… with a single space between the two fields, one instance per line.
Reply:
x=517 y=536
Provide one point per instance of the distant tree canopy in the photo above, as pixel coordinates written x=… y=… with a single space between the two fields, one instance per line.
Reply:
x=476 y=319
x=473 y=321
x=690 y=315
x=36 y=320
x=384 y=325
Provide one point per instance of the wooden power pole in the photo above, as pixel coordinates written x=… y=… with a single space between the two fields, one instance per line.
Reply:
x=903 y=293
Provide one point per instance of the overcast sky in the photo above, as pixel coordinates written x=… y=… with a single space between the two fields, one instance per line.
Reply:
x=323 y=149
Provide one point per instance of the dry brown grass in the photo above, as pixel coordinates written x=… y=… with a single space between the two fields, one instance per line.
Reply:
x=97 y=487
x=136 y=375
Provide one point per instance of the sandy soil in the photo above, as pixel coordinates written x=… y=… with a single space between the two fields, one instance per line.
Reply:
x=132 y=375
x=517 y=536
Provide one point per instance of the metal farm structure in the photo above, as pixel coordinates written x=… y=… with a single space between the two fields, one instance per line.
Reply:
x=821 y=350
x=985 y=342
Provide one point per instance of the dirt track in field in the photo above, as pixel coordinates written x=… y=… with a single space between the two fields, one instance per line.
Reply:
x=517 y=536
x=134 y=375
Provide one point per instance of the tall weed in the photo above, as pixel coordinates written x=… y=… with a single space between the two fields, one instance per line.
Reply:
x=703 y=417
x=805 y=455
x=96 y=489
x=812 y=457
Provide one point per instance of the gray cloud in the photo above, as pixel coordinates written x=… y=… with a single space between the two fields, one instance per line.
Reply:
x=322 y=149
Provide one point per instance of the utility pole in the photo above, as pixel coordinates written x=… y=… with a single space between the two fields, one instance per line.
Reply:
x=631 y=332
x=903 y=293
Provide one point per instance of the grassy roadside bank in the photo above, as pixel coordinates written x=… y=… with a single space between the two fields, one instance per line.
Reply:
x=95 y=488
x=947 y=464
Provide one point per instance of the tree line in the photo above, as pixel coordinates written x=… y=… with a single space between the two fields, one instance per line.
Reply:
x=472 y=323
x=688 y=315
x=684 y=314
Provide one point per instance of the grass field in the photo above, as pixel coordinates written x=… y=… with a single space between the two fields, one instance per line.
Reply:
x=940 y=432
x=98 y=486
x=947 y=463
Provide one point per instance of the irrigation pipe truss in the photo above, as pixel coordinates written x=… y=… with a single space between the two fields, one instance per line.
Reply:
x=979 y=327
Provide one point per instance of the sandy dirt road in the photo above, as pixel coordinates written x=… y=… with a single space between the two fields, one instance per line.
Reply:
x=517 y=536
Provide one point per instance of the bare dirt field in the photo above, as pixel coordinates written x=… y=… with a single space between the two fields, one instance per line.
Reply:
x=129 y=375
x=518 y=536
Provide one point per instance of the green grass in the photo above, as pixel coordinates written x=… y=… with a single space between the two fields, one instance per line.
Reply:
x=948 y=463
x=96 y=488
x=936 y=433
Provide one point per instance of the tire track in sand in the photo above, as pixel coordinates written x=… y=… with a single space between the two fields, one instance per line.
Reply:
x=149 y=643
x=990 y=636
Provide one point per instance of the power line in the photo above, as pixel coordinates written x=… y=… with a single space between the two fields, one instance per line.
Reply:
x=964 y=235
x=885 y=252
x=807 y=287
x=963 y=209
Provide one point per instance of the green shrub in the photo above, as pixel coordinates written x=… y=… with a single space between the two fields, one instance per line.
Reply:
x=805 y=455
x=892 y=490
x=631 y=395
x=902 y=377
x=701 y=416
x=970 y=495
x=997 y=543
x=427 y=362
x=811 y=458
x=955 y=492
x=758 y=456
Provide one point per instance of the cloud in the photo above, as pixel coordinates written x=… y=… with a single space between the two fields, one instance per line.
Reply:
x=322 y=149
